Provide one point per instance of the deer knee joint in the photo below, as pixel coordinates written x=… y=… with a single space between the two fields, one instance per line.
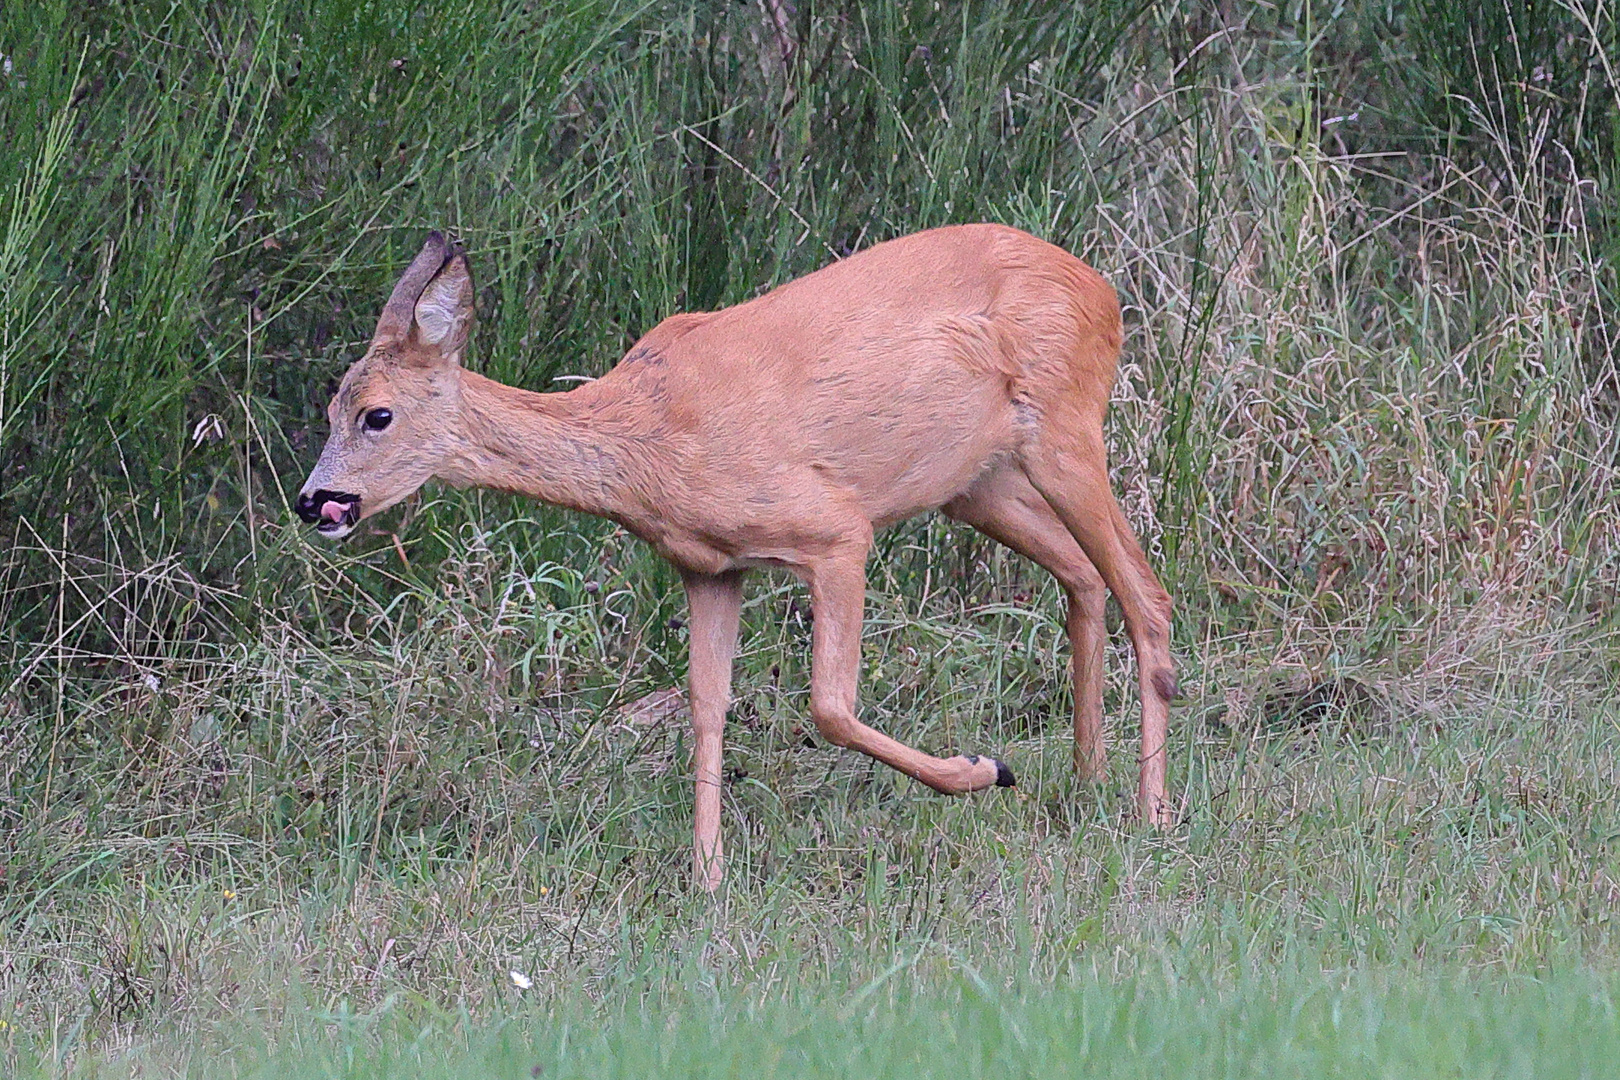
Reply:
x=1089 y=597
x=709 y=716
x=836 y=726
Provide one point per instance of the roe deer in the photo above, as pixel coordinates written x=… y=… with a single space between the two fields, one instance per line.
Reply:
x=964 y=369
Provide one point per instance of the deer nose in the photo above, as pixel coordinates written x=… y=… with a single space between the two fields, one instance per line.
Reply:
x=307 y=508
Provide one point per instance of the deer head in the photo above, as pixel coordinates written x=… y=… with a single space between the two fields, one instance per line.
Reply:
x=396 y=414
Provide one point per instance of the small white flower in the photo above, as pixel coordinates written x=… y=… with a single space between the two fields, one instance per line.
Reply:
x=521 y=981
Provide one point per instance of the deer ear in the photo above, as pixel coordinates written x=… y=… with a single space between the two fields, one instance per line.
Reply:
x=395 y=321
x=444 y=311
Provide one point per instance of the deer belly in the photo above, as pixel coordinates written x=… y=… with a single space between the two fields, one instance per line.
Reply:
x=901 y=461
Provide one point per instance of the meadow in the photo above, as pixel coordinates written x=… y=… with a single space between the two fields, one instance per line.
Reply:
x=418 y=804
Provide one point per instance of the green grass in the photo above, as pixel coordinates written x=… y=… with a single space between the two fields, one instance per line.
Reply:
x=258 y=792
x=1350 y=1025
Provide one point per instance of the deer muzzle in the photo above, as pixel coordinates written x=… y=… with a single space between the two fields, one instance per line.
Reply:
x=333 y=513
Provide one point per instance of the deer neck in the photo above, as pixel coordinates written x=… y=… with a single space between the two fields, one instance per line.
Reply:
x=559 y=448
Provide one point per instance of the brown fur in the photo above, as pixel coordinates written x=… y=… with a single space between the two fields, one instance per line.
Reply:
x=964 y=369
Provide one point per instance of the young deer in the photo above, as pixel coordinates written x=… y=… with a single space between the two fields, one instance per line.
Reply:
x=964 y=369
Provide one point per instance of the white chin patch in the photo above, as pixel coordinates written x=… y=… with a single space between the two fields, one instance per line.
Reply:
x=333 y=530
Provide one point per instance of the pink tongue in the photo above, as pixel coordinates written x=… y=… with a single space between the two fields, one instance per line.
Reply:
x=333 y=511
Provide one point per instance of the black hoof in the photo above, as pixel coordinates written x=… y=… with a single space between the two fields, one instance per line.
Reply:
x=1004 y=775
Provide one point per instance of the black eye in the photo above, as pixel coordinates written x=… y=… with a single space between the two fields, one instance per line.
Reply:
x=377 y=419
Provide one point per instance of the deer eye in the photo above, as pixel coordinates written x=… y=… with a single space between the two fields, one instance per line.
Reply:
x=376 y=419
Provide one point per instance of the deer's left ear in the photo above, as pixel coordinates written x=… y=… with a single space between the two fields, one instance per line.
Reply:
x=444 y=311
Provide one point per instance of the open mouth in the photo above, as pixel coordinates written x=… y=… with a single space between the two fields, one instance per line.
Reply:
x=333 y=513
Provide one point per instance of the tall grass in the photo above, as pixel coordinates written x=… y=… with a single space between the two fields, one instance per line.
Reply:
x=1365 y=424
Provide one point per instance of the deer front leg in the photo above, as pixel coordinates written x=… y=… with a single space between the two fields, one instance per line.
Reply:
x=837 y=596
x=715 y=602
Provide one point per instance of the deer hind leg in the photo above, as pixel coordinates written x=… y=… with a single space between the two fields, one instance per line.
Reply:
x=838 y=595
x=1006 y=507
x=1068 y=466
x=715 y=603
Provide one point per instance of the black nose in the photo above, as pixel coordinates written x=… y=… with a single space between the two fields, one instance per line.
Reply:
x=309 y=507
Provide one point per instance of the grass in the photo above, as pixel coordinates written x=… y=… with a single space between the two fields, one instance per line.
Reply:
x=1350 y=1025
x=274 y=807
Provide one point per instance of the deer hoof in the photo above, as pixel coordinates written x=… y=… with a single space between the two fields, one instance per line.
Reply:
x=1004 y=775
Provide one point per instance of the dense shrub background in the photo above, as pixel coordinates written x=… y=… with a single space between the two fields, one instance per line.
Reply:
x=207 y=203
